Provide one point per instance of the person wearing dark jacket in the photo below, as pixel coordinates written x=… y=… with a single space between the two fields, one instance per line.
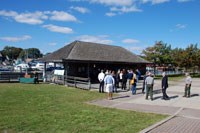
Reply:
x=164 y=86
x=124 y=79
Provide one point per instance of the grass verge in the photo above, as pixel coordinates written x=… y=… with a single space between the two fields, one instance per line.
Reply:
x=53 y=108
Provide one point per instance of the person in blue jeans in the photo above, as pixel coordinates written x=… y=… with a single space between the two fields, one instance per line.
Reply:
x=138 y=74
x=134 y=84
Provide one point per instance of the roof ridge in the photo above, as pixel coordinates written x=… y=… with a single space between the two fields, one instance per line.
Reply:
x=72 y=48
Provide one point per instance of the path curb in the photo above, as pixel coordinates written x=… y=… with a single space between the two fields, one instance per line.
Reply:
x=146 y=130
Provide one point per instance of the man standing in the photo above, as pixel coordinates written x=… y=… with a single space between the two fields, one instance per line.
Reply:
x=124 y=79
x=149 y=84
x=164 y=86
x=129 y=78
x=188 y=82
x=109 y=82
x=101 y=80
x=144 y=84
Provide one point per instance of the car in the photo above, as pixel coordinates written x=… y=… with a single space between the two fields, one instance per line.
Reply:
x=40 y=66
x=21 y=67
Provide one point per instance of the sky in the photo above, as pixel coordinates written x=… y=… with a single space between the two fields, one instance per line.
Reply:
x=133 y=24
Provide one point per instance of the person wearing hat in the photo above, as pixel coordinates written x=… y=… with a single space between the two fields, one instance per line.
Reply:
x=149 y=86
x=188 y=82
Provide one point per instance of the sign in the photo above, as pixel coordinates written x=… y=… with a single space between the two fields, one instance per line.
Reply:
x=59 y=72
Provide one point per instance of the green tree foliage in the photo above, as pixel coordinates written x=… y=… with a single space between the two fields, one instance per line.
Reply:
x=186 y=58
x=177 y=57
x=11 y=52
x=160 y=53
x=33 y=53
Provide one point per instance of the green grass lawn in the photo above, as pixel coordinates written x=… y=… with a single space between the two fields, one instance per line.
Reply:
x=56 y=109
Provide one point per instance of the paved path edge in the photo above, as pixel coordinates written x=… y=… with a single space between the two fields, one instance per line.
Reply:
x=146 y=130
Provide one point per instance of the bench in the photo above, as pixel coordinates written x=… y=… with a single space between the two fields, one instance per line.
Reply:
x=27 y=80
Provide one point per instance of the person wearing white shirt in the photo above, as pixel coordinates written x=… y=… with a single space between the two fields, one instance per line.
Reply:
x=188 y=82
x=101 y=81
x=149 y=86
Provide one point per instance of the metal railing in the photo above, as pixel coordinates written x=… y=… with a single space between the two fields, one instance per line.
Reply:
x=15 y=76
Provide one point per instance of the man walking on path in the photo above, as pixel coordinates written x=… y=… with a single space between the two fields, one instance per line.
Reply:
x=164 y=85
x=188 y=82
x=149 y=84
x=101 y=80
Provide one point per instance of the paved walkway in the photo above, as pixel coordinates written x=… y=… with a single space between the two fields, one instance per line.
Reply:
x=184 y=113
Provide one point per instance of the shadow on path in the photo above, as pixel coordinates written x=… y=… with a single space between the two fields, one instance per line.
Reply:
x=173 y=97
x=194 y=95
x=120 y=97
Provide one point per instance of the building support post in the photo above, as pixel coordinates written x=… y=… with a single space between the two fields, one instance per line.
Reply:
x=44 y=72
x=89 y=80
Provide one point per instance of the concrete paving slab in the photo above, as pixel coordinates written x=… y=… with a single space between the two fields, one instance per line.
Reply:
x=178 y=125
x=185 y=112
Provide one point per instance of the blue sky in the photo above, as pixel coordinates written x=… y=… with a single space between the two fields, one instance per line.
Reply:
x=132 y=24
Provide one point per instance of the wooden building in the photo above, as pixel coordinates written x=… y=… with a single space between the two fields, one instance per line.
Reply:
x=86 y=59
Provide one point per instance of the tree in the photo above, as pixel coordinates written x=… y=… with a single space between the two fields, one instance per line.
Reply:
x=191 y=56
x=33 y=53
x=160 y=53
x=198 y=59
x=11 y=52
x=178 y=55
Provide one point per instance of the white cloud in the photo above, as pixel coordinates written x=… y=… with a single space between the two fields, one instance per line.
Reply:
x=184 y=0
x=135 y=50
x=62 y=16
x=38 y=17
x=52 y=43
x=180 y=26
x=155 y=1
x=80 y=9
x=109 y=2
x=96 y=39
x=130 y=41
x=125 y=9
x=8 y=13
x=16 y=39
x=113 y=2
x=110 y=14
x=59 y=29
x=31 y=18
x=28 y=18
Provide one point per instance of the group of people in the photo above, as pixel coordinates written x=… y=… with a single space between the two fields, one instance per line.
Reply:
x=149 y=82
x=111 y=81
